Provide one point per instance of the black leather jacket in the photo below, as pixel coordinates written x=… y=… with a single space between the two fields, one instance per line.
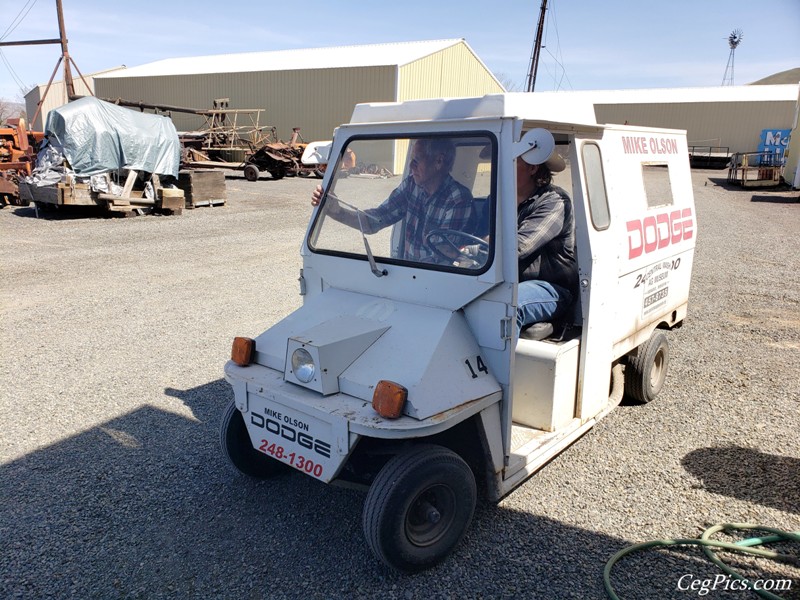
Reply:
x=546 y=238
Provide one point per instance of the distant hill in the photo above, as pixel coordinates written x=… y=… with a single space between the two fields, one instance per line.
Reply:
x=790 y=76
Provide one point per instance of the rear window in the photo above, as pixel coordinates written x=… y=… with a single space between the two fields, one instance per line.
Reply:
x=657 y=187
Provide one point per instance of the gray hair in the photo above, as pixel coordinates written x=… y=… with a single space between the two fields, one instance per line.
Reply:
x=439 y=146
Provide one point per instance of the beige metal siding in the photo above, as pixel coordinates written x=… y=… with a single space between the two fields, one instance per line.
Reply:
x=736 y=125
x=452 y=72
x=56 y=96
x=316 y=100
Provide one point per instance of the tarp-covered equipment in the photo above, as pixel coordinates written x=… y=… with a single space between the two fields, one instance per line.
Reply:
x=97 y=137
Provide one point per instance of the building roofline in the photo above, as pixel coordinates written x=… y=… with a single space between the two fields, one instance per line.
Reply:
x=371 y=55
x=739 y=93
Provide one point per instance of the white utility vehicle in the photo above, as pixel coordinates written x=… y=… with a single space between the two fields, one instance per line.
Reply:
x=409 y=378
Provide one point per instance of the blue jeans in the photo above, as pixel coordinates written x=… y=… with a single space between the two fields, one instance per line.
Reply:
x=540 y=301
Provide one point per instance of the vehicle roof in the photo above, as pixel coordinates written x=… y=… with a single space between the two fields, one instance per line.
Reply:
x=528 y=106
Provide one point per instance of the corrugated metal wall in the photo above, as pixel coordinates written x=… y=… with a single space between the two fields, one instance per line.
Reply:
x=316 y=100
x=453 y=72
x=56 y=96
x=736 y=125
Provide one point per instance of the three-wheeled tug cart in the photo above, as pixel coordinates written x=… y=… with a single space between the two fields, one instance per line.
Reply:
x=408 y=377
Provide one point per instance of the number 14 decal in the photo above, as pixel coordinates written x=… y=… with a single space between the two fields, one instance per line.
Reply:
x=476 y=366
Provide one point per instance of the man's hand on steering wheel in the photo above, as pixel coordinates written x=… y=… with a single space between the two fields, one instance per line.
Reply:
x=443 y=243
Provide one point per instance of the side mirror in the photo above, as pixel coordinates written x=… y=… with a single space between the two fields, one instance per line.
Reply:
x=535 y=147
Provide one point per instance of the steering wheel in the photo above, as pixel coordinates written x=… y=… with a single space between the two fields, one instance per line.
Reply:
x=446 y=238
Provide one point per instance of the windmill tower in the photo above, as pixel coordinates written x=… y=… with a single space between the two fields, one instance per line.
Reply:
x=734 y=39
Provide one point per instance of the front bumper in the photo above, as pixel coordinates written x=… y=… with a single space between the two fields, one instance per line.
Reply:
x=287 y=421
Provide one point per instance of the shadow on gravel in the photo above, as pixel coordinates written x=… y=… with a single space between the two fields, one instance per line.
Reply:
x=61 y=213
x=783 y=199
x=724 y=183
x=732 y=187
x=747 y=474
x=144 y=506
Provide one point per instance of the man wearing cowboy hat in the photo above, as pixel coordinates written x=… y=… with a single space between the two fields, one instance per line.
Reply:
x=548 y=270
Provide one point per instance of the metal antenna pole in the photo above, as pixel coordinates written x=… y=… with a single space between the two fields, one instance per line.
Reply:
x=537 y=48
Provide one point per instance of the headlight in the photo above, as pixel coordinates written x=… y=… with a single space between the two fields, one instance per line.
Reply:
x=303 y=365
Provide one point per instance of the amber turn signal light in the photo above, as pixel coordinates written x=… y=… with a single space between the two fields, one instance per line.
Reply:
x=243 y=350
x=389 y=398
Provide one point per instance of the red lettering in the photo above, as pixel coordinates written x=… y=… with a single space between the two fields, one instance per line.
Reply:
x=663 y=235
x=627 y=145
x=649 y=224
x=634 y=251
x=688 y=224
x=663 y=146
x=657 y=232
x=677 y=226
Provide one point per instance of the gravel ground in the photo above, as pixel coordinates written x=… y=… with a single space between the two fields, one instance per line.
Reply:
x=114 y=334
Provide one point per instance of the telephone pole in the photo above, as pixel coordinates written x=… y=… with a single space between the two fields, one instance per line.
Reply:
x=537 y=48
x=65 y=58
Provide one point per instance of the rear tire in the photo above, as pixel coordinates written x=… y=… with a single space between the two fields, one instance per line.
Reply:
x=419 y=507
x=646 y=370
x=238 y=449
x=251 y=172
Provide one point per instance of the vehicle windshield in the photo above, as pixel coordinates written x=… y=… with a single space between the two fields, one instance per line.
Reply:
x=419 y=201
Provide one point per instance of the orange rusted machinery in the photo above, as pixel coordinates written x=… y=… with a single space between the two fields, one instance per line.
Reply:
x=17 y=158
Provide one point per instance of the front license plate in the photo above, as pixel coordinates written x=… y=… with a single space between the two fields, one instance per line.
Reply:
x=292 y=437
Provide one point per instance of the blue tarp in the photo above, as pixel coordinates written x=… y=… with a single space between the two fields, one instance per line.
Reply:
x=97 y=137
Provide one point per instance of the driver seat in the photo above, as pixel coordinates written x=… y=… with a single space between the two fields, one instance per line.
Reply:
x=537 y=331
x=480 y=219
x=563 y=327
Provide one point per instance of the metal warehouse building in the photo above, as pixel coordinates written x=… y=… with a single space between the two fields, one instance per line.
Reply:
x=314 y=89
x=56 y=96
x=729 y=116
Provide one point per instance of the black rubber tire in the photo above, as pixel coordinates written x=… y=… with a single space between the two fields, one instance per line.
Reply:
x=278 y=173
x=646 y=370
x=238 y=449
x=251 y=172
x=394 y=517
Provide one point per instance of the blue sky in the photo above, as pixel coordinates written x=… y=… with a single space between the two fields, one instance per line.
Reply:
x=590 y=44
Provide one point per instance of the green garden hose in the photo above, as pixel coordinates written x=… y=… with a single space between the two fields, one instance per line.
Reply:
x=704 y=541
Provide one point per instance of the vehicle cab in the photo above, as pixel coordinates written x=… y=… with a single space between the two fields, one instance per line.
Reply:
x=403 y=371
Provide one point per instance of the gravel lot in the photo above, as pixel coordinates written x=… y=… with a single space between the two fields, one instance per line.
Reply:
x=114 y=334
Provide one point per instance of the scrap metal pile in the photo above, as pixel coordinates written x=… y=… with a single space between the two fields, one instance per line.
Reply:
x=17 y=158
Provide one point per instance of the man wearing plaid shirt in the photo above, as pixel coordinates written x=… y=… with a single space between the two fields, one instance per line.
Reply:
x=428 y=199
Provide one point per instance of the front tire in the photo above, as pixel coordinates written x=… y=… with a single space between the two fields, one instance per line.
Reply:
x=646 y=371
x=419 y=507
x=251 y=172
x=238 y=449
